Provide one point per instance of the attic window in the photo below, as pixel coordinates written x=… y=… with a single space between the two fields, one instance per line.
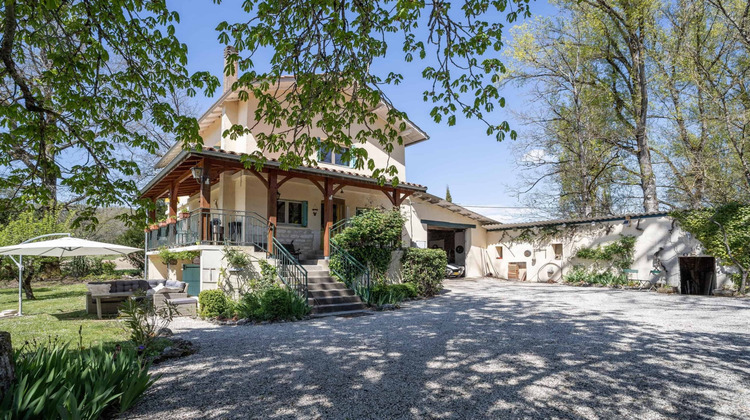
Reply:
x=334 y=158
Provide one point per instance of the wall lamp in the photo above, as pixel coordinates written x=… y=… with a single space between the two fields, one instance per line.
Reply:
x=199 y=175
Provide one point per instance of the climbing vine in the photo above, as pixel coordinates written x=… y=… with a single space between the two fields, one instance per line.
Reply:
x=724 y=232
x=170 y=257
x=618 y=253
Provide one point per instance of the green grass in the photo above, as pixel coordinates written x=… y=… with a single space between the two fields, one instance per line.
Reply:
x=58 y=311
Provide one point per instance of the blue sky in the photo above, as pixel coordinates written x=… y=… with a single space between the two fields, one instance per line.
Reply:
x=477 y=167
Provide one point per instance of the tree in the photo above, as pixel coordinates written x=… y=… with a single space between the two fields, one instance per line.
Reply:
x=448 y=197
x=133 y=236
x=333 y=50
x=76 y=76
x=567 y=154
x=28 y=225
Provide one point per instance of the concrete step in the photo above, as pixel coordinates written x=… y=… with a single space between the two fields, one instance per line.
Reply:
x=330 y=285
x=331 y=300
x=318 y=274
x=319 y=262
x=338 y=307
x=316 y=280
x=356 y=312
x=313 y=267
x=330 y=293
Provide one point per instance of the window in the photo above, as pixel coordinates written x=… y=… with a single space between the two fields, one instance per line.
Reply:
x=499 y=250
x=291 y=212
x=362 y=210
x=558 y=250
x=332 y=157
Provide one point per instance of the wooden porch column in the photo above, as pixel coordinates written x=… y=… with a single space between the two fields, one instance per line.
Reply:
x=273 y=200
x=328 y=213
x=205 y=202
x=173 y=200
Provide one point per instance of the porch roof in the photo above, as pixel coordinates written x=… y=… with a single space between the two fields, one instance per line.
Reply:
x=178 y=171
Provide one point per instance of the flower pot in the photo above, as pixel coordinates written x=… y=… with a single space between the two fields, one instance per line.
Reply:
x=184 y=215
x=147 y=230
x=171 y=221
x=162 y=224
x=155 y=227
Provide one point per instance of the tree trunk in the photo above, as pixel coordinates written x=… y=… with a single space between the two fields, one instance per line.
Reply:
x=7 y=364
x=28 y=274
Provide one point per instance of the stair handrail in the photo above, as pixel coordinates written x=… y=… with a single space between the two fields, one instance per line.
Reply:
x=289 y=270
x=360 y=282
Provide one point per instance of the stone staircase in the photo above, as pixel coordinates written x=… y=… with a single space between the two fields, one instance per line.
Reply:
x=326 y=294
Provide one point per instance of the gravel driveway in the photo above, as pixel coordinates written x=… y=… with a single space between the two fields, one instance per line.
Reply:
x=485 y=348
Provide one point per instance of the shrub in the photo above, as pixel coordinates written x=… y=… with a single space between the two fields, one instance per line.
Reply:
x=275 y=303
x=214 y=303
x=55 y=381
x=384 y=293
x=425 y=268
x=249 y=306
x=370 y=238
x=143 y=320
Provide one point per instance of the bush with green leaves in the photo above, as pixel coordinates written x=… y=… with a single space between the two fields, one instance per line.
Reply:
x=143 y=320
x=371 y=238
x=214 y=304
x=273 y=304
x=384 y=293
x=425 y=268
x=55 y=380
x=580 y=275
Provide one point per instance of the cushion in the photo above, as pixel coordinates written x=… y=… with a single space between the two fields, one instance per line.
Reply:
x=99 y=288
x=156 y=289
x=174 y=284
x=183 y=301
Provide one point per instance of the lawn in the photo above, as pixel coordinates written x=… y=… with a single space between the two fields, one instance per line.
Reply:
x=58 y=311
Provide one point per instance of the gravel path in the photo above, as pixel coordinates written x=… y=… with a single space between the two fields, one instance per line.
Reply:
x=485 y=348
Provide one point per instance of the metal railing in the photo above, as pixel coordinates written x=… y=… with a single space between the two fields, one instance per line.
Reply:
x=213 y=227
x=289 y=270
x=352 y=272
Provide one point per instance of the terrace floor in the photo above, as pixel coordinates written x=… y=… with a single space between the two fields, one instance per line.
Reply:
x=484 y=348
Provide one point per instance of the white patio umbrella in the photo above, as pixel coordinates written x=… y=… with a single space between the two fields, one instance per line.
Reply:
x=60 y=247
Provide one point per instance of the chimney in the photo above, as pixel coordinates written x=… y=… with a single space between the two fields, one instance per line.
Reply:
x=229 y=79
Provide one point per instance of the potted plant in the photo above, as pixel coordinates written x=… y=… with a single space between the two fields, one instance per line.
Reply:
x=162 y=223
x=147 y=229
x=184 y=213
x=171 y=220
x=154 y=226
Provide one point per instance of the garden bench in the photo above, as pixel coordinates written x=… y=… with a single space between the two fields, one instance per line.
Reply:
x=642 y=284
x=292 y=250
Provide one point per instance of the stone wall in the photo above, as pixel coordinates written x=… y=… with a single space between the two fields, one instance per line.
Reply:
x=304 y=240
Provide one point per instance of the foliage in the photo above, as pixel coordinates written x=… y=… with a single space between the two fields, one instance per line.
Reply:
x=580 y=275
x=370 y=238
x=55 y=380
x=248 y=280
x=143 y=320
x=425 y=268
x=385 y=293
x=280 y=303
x=214 y=303
x=133 y=236
x=618 y=253
x=80 y=267
x=448 y=196
x=337 y=88
x=85 y=93
x=170 y=257
x=724 y=232
x=28 y=225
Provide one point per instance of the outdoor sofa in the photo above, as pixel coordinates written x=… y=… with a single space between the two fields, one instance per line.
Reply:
x=161 y=291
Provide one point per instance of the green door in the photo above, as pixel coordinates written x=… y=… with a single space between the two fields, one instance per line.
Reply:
x=191 y=274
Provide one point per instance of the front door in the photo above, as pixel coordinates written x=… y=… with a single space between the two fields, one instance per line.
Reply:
x=339 y=213
x=191 y=274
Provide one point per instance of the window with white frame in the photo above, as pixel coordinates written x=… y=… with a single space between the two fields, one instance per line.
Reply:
x=290 y=212
x=333 y=157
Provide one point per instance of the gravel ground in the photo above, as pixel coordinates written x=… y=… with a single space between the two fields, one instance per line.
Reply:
x=484 y=348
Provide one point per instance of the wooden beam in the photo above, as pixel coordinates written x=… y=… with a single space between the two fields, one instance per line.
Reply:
x=337 y=189
x=205 y=201
x=328 y=203
x=173 y=198
x=319 y=185
x=272 y=208
x=259 y=176
x=286 y=178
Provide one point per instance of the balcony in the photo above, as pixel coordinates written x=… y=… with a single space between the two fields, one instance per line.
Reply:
x=212 y=227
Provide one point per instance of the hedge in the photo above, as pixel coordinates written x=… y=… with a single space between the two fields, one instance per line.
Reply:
x=425 y=268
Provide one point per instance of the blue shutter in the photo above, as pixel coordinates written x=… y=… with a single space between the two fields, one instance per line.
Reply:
x=304 y=214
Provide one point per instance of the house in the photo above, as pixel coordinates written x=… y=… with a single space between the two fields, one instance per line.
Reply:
x=548 y=250
x=214 y=200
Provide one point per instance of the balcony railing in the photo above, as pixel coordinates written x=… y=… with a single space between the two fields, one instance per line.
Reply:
x=212 y=227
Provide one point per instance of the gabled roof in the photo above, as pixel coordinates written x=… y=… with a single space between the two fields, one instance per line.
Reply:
x=573 y=221
x=455 y=208
x=411 y=135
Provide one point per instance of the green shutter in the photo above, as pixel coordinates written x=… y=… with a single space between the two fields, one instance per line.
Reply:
x=304 y=214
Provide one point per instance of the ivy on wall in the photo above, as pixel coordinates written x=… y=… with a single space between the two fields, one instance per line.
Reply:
x=619 y=253
x=724 y=232
x=170 y=257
